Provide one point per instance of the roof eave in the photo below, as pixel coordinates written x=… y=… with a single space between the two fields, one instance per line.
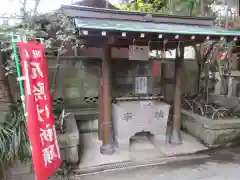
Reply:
x=88 y=12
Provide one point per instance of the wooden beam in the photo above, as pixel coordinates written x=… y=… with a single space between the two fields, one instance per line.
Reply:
x=98 y=59
x=94 y=38
x=167 y=41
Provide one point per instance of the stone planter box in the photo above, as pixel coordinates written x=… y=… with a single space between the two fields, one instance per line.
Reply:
x=69 y=141
x=211 y=132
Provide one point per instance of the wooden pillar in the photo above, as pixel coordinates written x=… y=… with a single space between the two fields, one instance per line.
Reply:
x=107 y=135
x=162 y=78
x=100 y=106
x=175 y=138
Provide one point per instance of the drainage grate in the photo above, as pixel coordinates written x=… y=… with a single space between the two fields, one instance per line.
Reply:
x=82 y=171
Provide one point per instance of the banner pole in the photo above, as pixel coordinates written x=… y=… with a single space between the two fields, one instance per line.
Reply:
x=19 y=74
x=19 y=77
x=43 y=150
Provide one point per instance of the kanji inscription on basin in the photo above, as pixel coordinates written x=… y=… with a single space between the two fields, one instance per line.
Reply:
x=159 y=115
x=127 y=116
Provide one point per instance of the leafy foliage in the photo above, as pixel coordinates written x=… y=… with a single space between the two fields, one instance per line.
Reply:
x=144 y=5
x=186 y=7
x=39 y=30
x=176 y=7
x=64 y=172
x=14 y=142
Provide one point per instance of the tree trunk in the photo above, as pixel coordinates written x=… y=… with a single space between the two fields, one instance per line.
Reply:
x=6 y=97
x=202 y=8
x=191 y=8
x=201 y=59
x=199 y=63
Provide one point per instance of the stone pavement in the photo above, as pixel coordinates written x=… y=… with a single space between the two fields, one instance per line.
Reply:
x=220 y=165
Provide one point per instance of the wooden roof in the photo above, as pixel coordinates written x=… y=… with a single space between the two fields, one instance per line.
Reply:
x=149 y=29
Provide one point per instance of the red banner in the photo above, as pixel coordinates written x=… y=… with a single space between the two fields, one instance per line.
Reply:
x=40 y=119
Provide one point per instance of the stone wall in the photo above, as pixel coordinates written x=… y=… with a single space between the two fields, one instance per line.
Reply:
x=78 y=79
x=190 y=78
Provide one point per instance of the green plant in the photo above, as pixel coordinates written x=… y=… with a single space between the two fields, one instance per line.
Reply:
x=64 y=172
x=14 y=142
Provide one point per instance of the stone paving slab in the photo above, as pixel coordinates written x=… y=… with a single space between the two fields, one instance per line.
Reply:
x=189 y=145
x=221 y=164
x=208 y=171
x=141 y=149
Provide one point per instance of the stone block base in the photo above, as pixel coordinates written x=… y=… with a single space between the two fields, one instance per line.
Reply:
x=211 y=132
x=69 y=141
x=70 y=154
